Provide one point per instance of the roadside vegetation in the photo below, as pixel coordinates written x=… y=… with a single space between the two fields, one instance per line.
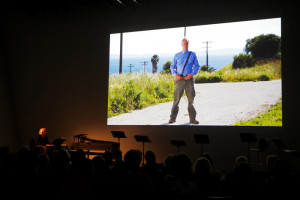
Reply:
x=263 y=70
x=136 y=91
x=273 y=117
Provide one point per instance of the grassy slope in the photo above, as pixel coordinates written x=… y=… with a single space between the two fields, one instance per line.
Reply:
x=263 y=70
x=271 y=69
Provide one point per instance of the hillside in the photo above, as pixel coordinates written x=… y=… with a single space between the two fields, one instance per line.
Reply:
x=262 y=71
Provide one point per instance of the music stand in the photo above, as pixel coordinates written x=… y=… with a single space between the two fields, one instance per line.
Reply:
x=248 y=137
x=279 y=143
x=178 y=143
x=201 y=139
x=143 y=139
x=78 y=137
x=58 y=141
x=118 y=134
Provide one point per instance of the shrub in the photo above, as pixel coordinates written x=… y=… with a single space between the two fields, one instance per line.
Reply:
x=208 y=69
x=242 y=61
x=264 y=77
x=116 y=103
x=166 y=68
x=200 y=79
x=263 y=46
x=209 y=77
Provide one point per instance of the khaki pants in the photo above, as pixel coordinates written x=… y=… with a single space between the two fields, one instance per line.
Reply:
x=180 y=87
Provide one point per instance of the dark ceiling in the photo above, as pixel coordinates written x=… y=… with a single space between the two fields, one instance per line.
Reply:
x=44 y=6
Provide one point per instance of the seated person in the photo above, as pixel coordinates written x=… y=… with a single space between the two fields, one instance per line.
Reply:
x=42 y=138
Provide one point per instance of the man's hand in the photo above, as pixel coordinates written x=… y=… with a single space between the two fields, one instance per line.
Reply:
x=188 y=77
x=178 y=77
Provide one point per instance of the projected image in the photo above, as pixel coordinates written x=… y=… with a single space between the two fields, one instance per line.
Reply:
x=225 y=74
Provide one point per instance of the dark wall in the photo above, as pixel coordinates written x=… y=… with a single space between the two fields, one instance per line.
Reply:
x=8 y=133
x=58 y=72
x=57 y=67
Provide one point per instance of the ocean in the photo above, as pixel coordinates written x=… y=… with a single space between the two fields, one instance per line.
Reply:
x=215 y=61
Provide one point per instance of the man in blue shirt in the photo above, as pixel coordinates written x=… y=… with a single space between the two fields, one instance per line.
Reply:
x=184 y=66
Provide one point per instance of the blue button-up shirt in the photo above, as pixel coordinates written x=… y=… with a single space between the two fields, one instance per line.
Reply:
x=179 y=60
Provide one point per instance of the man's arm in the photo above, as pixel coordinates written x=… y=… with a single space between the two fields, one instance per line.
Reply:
x=196 y=65
x=173 y=69
x=173 y=66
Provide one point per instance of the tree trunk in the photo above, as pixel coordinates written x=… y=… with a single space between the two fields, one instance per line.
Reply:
x=154 y=68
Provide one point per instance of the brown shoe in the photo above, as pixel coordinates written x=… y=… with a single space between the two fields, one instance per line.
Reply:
x=194 y=121
x=171 y=121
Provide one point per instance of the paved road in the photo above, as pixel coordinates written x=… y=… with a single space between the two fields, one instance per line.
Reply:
x=215 y=103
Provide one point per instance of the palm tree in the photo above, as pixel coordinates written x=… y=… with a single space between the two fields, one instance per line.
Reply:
x=154 y=60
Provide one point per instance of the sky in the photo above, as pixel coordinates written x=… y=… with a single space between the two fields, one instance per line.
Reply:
x=168 y=41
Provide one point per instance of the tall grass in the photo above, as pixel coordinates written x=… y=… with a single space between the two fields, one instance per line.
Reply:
x=261 y=71
x=269 y=70
x=135 y=91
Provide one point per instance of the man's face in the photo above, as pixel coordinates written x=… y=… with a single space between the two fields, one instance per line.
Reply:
x=185 y=45
x=44 y=132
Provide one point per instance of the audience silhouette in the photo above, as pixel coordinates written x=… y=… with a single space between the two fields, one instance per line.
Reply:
x=61 y=175
x=118 y=164
x=281 y=183
x=178 y=181
x=207 y=182
x=132 y=182
x=154 y=171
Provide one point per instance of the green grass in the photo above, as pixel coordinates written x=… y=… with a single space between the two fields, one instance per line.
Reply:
x=273 y=117
x=133 y=91
x=261 y=71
